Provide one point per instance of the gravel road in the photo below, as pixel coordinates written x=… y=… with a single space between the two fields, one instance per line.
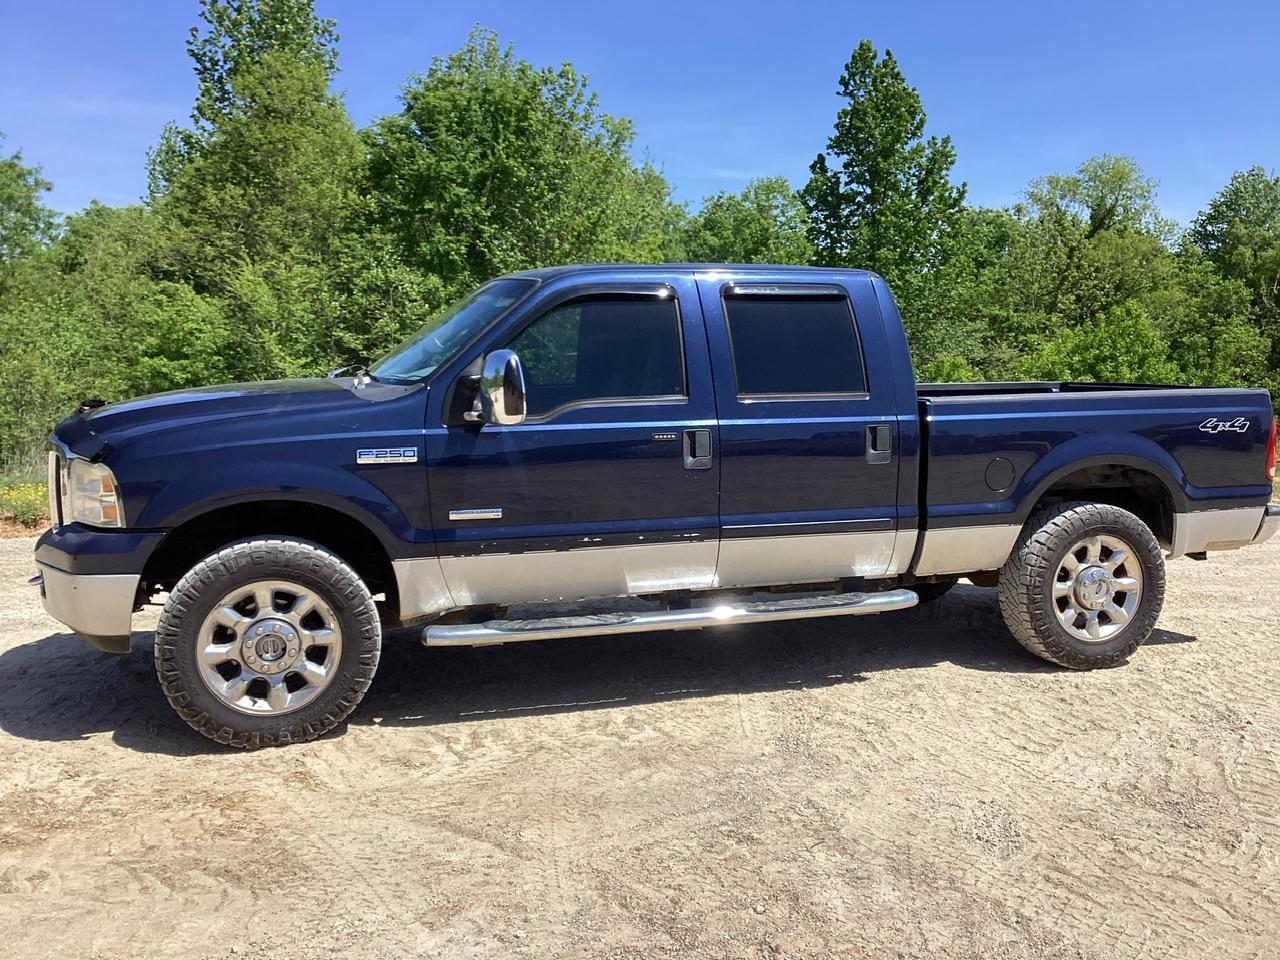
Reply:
x=907 y=785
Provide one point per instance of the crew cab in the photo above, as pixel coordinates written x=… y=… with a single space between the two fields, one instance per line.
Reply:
x=693 y=435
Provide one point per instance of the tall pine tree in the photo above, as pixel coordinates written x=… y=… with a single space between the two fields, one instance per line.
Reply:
x=881 y=197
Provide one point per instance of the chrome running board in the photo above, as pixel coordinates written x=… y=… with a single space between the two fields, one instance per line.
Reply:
x=724 y=614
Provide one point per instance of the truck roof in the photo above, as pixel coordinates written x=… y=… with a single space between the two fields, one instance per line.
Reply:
x=633 y=269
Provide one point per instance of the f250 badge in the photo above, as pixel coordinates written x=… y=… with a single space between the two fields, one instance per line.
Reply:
x=388 y=455
x=1214 y=425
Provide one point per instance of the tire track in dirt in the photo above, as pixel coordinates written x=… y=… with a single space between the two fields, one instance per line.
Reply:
x=913 y=785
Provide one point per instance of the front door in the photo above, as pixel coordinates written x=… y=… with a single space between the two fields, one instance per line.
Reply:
x=808 y=431
x=609 y=487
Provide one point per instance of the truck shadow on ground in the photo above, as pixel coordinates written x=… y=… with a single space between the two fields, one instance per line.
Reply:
x=58 y=689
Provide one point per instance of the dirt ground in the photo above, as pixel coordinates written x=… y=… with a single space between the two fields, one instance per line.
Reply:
x=910 y=785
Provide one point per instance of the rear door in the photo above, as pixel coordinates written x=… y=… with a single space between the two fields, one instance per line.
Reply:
x=808 y=446
x=609 y=487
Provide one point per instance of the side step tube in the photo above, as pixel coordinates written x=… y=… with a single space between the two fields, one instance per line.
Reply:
x=511 y=631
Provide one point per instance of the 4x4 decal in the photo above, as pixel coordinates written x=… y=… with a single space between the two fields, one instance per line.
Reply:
x=1214 y=425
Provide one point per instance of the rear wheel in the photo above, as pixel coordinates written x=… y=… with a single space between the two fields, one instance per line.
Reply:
x=1084 y=585
x=267 y=642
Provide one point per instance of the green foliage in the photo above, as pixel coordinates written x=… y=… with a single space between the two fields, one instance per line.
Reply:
x=495 y=165
x=1121 y=345
x=882 y=197
x=26 y=502
x=26 y=224
x=1106 y=193
x=948 y=368
x=278 y=240
x=1240 y=234
x=765 y=223
x=240 y=38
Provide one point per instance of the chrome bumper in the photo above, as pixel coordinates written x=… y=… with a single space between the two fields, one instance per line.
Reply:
x=1270 y=524
x=99 y=607
x=1227 y=529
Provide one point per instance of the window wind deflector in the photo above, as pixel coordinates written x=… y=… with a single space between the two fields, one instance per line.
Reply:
x=783 y=290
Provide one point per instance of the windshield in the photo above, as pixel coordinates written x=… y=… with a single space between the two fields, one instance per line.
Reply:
x=449 y=330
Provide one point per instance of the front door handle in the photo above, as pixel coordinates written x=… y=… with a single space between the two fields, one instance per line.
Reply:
x=697 y=449
x=879 y=443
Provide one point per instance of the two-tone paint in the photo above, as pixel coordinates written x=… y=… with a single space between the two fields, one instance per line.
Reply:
x=597 y=498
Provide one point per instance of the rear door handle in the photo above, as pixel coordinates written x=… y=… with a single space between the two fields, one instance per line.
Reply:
x=879 y=443
x=697 y=449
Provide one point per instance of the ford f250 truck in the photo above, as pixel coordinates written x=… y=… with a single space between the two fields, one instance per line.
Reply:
x=678 y=433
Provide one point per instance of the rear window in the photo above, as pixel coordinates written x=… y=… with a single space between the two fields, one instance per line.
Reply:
x=789 y=346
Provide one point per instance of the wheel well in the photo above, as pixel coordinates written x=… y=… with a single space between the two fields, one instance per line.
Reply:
x=347 y=537
x=1130 y=488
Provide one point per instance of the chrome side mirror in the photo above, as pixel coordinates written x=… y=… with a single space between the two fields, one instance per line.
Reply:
x=502 y=390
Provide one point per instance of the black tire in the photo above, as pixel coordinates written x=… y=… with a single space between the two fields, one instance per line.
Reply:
x=930 y=591
x=245 y=563
x=1027 y=579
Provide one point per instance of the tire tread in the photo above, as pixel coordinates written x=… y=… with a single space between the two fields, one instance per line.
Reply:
x=270 y=552
x=1024 y=573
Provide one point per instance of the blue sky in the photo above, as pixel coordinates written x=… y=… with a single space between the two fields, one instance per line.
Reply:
x=719 y=93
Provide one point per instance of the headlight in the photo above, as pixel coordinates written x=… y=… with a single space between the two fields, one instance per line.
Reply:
x=90 y=495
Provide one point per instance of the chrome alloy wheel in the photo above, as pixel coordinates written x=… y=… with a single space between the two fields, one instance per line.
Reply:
x=1097 y=588
x=269 y=647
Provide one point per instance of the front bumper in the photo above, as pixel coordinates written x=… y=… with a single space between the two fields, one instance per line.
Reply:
x=98 y=606
x=89 y=578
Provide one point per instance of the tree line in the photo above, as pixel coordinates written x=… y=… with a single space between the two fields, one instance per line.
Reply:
x=277 y=239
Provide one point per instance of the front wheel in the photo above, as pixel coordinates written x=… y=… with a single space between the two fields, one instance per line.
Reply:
x=1084 y=585
x=267 y=642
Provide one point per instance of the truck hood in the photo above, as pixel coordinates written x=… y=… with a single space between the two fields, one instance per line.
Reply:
x=90 y=433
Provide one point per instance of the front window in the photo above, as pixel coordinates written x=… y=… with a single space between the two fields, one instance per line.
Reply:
x=452 y=328
x=602 y=348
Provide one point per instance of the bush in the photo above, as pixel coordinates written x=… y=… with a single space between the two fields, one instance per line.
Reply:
x=25 y=502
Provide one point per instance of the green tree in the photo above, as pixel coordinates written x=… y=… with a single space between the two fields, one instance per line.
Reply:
x=1122 y=345
x=239 y=36
x=881 y=197
x=1240 y=234
x=953 y=310
x=26 y=224
x=1078 y=247
x=1094 y=239
x=268 y=210
x=1104 y=193
x=495 y=165
x=765 y=223
x=90 y=320
x=1206 y=319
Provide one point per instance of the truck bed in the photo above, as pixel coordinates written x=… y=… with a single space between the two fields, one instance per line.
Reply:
x=992 y=450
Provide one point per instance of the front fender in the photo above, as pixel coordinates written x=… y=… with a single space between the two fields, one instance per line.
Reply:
x=389 y=499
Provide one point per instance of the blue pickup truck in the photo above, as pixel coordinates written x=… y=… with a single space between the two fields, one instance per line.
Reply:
x=696 y=436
